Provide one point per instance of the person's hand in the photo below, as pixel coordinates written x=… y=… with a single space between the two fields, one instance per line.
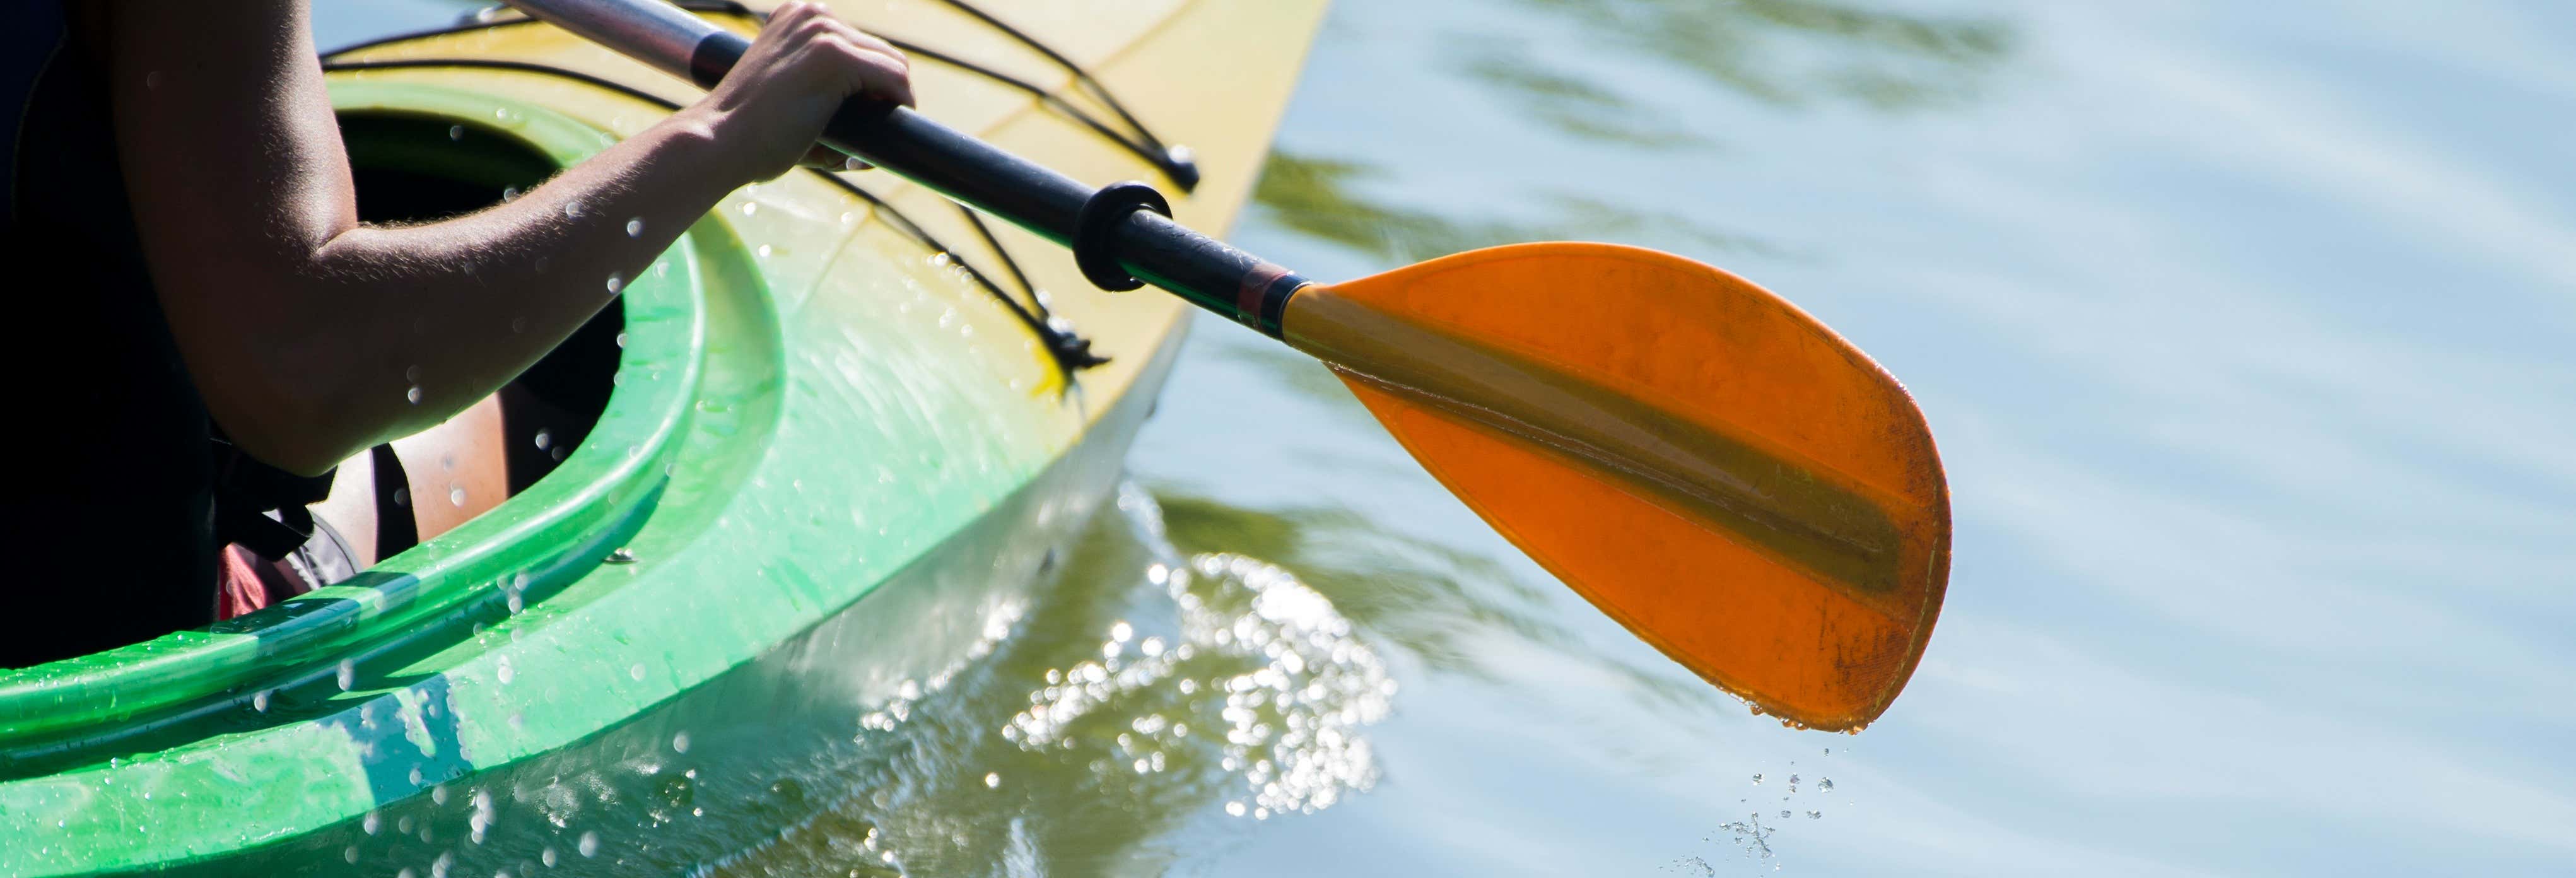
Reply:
x=770 y=109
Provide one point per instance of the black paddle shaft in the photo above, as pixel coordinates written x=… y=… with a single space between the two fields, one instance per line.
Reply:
x=1116 y=232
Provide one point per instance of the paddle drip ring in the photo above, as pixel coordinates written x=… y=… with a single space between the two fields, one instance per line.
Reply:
x=1100 y=216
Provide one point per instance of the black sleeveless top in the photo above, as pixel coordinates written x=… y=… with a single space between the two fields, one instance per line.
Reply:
x=109 y=496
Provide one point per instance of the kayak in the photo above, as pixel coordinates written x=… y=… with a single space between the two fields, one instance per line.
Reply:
x=845 y=431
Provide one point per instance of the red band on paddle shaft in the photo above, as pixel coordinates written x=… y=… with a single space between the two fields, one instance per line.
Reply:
x=1256 y=286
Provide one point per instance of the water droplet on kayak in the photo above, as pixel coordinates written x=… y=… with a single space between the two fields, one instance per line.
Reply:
x=350 y=854
x=621 y=341
x=1829 y=751
x=750 y=207
x=415 y=781
x=437 y=794
x=615 y=283
x=413 y=394
x=445 y=862
x=940 y=260
x=403 y=825
x=572 y=209
x=622 y=555
x=456 y=132
x=635 y=227
x=680 y=743
x=510 y=194
x=517 y=604
x=637 y=671
x=558 y=453
x=259 y=701
x=852 y=163
x=371 y=823
x=1784 y=815
x=456 y=495
x=1815 y=815
x=406 y=873
x=1793 y=783
x=590 y=844
x=545 y=439
x=501 y=670
x=1824 y=785
x=849 y=217
x=348 y=675
x=1757 y=780
x=402 y=496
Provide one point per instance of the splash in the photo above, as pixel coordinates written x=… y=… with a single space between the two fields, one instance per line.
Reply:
x=1290 y=683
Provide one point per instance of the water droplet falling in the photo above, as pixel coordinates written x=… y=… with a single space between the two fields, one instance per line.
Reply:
x=413 y=394
x=615 y=282
x=635 y=227
x=456 y=495
x=750 y=207
x=680 y=743
x=572 y=209
x=456 y=132
x=590 y=844
x=348 y=675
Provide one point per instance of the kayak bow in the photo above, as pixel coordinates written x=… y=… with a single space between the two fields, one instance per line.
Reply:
x=844 y=445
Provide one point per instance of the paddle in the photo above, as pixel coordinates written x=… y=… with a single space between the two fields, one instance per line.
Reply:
x=1709 y=465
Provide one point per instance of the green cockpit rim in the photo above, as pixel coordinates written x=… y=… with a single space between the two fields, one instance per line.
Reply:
x=530 y=546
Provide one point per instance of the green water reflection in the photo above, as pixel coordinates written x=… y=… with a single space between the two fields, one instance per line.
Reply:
x=1326 y=199
x=1885 y=58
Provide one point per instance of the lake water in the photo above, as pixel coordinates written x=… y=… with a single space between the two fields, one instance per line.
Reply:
x=2245 y=331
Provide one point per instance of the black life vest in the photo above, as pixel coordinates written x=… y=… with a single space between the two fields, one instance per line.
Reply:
x=112 y=513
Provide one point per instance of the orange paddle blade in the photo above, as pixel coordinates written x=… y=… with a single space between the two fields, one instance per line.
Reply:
x=1706 y=463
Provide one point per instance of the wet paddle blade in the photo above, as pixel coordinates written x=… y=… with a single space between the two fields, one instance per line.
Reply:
x=1706 y=463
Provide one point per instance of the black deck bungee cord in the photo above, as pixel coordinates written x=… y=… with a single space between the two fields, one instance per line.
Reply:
x=1071 y=351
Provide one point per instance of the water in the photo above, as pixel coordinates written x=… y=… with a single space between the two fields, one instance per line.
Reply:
x=2242 y=327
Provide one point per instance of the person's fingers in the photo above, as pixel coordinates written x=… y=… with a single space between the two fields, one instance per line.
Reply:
x=870 y=73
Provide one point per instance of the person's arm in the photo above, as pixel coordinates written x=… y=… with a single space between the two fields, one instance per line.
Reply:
x=312 y=336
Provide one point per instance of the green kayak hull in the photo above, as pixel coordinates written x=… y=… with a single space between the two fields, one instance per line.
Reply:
x=833 y=472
